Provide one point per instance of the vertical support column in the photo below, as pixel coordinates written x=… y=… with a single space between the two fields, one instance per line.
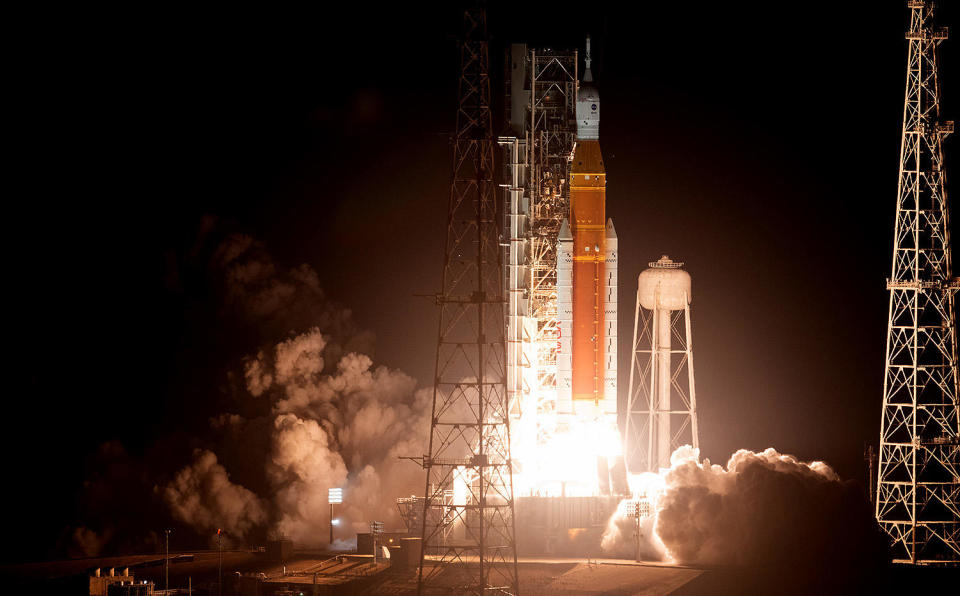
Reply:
x=664 y=345
x=565 y=319
x=694 y=426
x=514 y=275
x=652 y=459
x=634 y=428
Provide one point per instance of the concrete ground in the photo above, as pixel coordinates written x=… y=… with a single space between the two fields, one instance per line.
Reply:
x=568 y=576
x=614 y=577
x=602 y=577
x=538 y=576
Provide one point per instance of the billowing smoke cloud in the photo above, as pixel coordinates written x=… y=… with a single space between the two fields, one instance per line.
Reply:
x=202 y=496
x=309 y=412
x=304 y=466
x=116 y=492
x=255 y=293
x=285 y=380
x=766 y=510
x=346 y=429
x=762 y=508
x=625 y=538
x=332 y=418
x=85 y=543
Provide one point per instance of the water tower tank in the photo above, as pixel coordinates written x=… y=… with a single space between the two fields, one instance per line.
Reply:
x=665 y=282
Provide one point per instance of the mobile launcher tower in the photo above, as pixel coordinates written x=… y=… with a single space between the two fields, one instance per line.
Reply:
x=560 y=271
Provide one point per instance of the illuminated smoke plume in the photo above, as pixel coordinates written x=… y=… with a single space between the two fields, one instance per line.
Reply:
x=343 y=429
x=303 y=466
x=620 y=537
x=761 y=508
x=795 y=525
x=311 y=412
x=257 y=295
x=202 y=496
x=85 y=543
x=781 y=517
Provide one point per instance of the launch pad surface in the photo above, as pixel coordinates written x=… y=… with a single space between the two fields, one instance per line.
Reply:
x=566 y=576
x=605 y=576
x=558 y=576
x=538 y=575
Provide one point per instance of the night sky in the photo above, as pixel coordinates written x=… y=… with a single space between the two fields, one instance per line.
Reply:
x=757 y=142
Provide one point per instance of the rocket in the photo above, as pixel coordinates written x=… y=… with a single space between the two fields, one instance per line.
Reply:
x=587 y=275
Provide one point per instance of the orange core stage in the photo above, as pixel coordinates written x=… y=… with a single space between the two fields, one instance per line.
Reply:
x=588 y=227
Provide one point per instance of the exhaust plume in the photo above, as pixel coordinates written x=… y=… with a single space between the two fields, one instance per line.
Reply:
x=308 y=411
x=344 y=428
x=768 y=511
x=762 y=508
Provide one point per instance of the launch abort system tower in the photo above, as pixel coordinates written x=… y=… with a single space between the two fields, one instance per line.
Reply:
x=918 y=476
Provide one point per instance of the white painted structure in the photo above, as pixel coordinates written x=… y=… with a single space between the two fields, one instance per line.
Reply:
x=610 y=326
x=662 y=407
x=565 y=319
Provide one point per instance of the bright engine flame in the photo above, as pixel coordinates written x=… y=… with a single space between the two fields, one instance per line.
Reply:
x=560 y=455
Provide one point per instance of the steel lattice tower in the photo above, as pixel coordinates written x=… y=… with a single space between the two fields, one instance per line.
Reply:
x=918 y=482
x=468 y=537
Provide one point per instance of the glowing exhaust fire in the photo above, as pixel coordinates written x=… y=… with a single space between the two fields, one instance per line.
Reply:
x=560 y=456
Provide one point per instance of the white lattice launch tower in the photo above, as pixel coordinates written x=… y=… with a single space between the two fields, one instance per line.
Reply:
x=918 y=482
x=662 y=407
x=541 y=101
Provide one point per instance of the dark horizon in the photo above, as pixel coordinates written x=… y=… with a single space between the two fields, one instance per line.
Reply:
x=760 y=148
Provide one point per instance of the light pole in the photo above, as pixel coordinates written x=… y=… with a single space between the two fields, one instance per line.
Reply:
x=636 y=513
x=219 y=564
x=334 y=496
x=376 y=528
x=166 y=560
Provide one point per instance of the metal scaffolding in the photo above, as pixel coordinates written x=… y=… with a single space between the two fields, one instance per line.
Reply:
x=918 y=476
x=468 y=544
x=550 y=143
x=541 y=109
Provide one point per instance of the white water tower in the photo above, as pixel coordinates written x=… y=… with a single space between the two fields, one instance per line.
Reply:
x=662 y=406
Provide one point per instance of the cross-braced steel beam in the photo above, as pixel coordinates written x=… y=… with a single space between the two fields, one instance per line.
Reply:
x=918 y=472
x=468 y=533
